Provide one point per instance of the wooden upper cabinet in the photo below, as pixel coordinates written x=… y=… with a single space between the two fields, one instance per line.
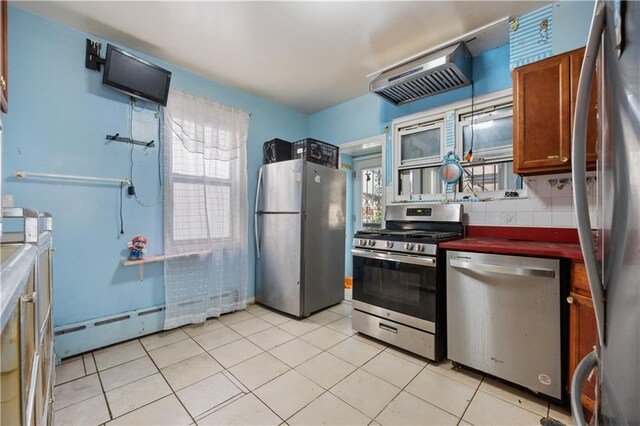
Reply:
x=544 y=101
x=4 y=87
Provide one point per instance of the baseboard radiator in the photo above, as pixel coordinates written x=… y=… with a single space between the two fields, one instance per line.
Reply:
x=80 y=337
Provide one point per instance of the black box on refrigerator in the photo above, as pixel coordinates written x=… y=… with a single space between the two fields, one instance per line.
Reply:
x=316 y=151
x=276 y=150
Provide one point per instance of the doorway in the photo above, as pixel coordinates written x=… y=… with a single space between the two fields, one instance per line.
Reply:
x=356 y=157
x=368 y=193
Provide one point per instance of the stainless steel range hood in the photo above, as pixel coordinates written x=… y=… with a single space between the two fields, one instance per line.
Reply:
x=433 y=73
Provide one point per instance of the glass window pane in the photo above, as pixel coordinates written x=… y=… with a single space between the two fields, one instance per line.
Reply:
x=424 y=180
x=218 y=169
x=196 y=164
x=189 y=212
x=184 y=161
x=490 y=177
x=491 y=137
x=420 y=145
x=371 y=206
x=219 y=198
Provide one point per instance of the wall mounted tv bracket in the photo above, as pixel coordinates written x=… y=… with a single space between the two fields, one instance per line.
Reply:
x=117 y=138
x=93 y=59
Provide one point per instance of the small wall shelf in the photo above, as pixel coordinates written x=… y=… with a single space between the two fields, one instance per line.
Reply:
x=141 y=262
x=156 y=259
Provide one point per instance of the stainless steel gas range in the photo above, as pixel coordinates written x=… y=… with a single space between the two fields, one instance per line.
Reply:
x=398 y=277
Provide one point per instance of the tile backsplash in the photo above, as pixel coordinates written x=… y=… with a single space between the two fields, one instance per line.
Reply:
x=549 y=203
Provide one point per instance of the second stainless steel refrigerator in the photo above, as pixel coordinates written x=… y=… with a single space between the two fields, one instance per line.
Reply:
x=300 y=231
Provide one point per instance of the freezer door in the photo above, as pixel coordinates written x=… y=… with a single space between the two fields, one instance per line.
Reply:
x=324 y=230
x=282 y=186
x=278 y=285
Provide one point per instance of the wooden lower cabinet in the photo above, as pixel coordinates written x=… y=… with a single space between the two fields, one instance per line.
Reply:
x=582 y=331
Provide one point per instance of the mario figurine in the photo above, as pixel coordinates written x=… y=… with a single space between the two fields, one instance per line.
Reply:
x=136 y=247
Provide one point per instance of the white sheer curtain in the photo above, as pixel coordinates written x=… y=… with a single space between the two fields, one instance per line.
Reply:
x=205 y=208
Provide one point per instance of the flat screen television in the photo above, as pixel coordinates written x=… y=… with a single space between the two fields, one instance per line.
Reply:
x=135 y=76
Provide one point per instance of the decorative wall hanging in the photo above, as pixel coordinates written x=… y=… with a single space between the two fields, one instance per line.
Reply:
x=531 y=37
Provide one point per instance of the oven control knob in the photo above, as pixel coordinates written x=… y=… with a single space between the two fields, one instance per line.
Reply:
x=389 y=244
x=420 y=247
x=363 y=242
x=408 y=246
x=372 y=243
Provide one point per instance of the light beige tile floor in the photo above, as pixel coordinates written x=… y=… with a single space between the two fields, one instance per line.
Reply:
x=262 y=367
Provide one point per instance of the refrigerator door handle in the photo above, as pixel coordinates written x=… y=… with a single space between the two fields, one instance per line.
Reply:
x=256 y=214
x=579 y=167
x=580 y=375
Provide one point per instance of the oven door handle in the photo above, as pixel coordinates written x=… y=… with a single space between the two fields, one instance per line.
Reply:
x=414 y=260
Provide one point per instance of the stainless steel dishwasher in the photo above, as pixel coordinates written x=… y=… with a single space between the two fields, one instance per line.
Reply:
x=504 y=318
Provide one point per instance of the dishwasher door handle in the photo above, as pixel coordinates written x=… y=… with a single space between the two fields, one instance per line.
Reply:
x=500 y=269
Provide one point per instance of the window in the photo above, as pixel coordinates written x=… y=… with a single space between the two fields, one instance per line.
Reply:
x=421 y=144
x=419 y=149
x=196 y=181
x=485 y=128
x=371 y=202
x=488 y=133
x=422 y=180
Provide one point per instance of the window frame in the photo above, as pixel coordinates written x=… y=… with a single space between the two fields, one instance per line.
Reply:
x=483 y=112
x=481 y=105
x=418 y=128
x=432 y=117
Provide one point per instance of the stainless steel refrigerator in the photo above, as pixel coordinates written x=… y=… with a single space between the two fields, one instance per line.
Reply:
x=614 y=268
x=299 y=231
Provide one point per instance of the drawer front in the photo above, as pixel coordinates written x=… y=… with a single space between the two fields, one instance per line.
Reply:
x=407 y=338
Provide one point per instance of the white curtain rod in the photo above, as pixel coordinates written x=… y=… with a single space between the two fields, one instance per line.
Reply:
x=23 y=174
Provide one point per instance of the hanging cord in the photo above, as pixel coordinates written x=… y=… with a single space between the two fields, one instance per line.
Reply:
x=160 y=122
x=135 y=195
x=131 y=144
x=469 y=155
x=121 y=219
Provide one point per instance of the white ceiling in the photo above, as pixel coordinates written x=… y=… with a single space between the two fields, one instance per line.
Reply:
x=303 y=55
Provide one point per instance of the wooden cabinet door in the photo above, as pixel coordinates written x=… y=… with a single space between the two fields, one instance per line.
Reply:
x=542 y=122
x=4 y=88
x=582 y=339
x=582 y=330
x=592 y=123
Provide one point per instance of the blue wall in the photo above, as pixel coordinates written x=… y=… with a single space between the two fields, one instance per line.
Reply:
x=367 y=115
x=59 y=115
x=354 y=119
x=571 y=20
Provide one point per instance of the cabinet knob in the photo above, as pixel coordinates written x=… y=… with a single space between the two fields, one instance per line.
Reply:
x=558 y=158
x=570 y=300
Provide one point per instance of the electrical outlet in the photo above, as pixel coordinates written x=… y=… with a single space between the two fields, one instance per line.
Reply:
x=7 y=200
